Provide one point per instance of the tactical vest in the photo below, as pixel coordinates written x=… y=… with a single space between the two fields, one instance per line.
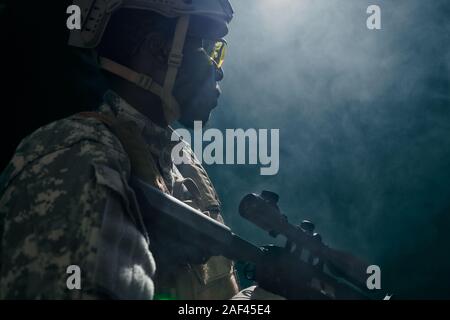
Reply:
x=214 y=279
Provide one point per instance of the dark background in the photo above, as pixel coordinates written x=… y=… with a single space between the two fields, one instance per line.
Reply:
x=363 y=118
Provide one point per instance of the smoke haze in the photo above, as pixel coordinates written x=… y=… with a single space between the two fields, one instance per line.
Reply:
x=364 y=127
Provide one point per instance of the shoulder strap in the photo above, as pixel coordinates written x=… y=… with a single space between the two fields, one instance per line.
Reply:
x=143 y=164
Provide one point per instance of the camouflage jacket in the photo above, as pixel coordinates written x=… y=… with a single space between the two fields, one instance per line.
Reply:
x=65 y=200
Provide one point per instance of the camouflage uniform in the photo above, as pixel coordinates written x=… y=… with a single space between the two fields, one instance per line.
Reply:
x=65 y=200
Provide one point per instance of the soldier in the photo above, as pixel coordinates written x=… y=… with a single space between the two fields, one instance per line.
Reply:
x=65 y=195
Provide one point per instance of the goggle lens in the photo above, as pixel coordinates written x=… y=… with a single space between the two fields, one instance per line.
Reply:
x=216 y=50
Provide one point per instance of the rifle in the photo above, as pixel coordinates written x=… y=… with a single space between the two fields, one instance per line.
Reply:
x=305 y=268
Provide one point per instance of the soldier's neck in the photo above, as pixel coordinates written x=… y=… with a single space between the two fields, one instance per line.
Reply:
x=143 y=101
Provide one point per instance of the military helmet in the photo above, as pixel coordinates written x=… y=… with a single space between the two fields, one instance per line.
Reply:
x=205 y=18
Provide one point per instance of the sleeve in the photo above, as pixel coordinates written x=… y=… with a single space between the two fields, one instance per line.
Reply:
x=71 y=229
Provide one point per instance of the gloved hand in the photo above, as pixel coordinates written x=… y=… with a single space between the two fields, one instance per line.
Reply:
x=256 y=293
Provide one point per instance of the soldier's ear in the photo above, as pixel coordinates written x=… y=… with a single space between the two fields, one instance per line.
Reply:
x=156 y=45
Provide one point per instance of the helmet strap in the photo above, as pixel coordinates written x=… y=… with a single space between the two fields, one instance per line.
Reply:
x=171 y=106
x=141 y=80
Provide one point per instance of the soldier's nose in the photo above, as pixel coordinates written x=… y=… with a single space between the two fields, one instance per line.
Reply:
x=219 y=74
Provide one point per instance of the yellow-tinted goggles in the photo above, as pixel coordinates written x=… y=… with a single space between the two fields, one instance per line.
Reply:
x=216 y=50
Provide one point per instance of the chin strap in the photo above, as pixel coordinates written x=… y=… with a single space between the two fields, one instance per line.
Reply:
x=170 y=105
x=141 y=80
x=171 y=108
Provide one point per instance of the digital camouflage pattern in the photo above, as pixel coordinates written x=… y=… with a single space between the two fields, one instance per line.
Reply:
x=65 y=200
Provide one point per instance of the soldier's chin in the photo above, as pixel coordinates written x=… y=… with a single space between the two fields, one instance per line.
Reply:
x=188 y=122
x=195 y=114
